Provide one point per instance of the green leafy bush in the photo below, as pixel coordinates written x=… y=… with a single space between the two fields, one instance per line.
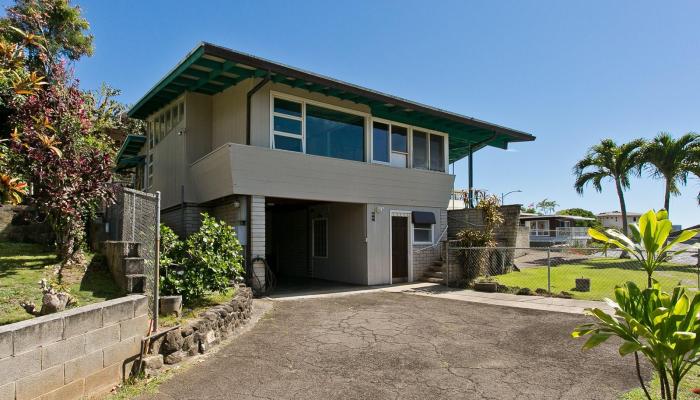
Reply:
x=662 y=327
x=206 y=262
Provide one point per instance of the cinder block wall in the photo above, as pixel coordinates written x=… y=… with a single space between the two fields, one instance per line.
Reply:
x=72 y=354
x=506 y=234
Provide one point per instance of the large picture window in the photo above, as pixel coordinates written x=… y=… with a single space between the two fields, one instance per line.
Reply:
x=322 y=131
x=334 y=134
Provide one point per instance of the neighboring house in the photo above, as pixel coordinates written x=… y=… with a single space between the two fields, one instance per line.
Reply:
x=322 y=178
x=613 y=219
x=547 y=230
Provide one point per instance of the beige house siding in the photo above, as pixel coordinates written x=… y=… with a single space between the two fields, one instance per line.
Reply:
x=275 y=173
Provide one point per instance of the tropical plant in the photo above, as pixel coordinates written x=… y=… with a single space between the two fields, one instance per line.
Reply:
x=671 y=160
x=210 y=259
x=662 y=327
x=11 y=190
x=547 y=206
x=474 y=260
x=607 y=160
x=649 y=240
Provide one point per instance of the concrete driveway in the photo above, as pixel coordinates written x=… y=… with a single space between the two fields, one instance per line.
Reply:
x=402 y=346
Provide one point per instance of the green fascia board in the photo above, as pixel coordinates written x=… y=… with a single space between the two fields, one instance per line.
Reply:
x=464 y=132
x=130 y=148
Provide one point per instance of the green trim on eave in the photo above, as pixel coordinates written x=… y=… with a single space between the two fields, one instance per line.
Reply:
x=210 y=69
x=129 y=151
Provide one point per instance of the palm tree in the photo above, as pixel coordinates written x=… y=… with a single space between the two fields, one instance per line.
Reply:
x=672 y=160
x=607 y=160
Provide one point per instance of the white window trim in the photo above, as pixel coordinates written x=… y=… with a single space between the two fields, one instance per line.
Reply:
x=432 y=233
x=411 y=128
x=313 y=237
x=304 y=101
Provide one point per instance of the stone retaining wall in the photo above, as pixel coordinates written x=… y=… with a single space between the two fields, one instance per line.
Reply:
x=199 y=335
x=72 y=354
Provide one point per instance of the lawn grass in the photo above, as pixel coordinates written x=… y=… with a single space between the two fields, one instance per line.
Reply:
x=191 y=311
x=23 y=265
x=691 y=381
x=604 y=274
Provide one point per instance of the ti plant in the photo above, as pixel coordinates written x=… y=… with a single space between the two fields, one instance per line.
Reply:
x=663 y=328
x=649 y=242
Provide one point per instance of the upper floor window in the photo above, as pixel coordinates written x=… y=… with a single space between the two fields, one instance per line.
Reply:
x=312 y=129
x=428 y=151
x=164 y=121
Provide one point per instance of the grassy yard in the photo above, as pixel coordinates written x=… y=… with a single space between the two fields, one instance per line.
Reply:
x=23 y=265
x=604 y=274
x=690 y=382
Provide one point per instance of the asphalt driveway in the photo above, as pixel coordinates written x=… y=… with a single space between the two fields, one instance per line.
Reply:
x=402 y=346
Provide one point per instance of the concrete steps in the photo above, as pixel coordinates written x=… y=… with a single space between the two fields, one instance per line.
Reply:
x=434 y=274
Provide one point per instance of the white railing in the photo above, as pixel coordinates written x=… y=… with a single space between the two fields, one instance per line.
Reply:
x=574 y=232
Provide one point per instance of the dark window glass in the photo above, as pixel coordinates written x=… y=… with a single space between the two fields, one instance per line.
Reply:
x=287 y=125
x=399 y=139
x=287 y=143
x=380 y=140
x=335 y=134
x=420 y=149
x=437 y=153
x=287 y=107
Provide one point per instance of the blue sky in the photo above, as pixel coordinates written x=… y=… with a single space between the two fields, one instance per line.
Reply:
x=570 y=73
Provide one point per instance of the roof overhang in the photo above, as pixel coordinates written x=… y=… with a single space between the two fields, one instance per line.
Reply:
x=555 y=216
x=210 y=69
x=128 y=155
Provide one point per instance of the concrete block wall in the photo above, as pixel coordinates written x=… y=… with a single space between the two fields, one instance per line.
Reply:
x=72 y=354
x=423 y=258
x=183 y=219
x=472 y=218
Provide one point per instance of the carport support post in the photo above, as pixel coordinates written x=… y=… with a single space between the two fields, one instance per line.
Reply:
x=549 y=271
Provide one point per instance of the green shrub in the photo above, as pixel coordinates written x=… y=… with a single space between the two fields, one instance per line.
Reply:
x=206 y=262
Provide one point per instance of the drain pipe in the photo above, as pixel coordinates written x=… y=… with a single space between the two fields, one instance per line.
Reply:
x=249 y=203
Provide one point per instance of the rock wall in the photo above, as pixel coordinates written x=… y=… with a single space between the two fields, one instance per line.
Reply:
x=17 y=225
x=72 y=354
x=199 y=335
x=507 y=234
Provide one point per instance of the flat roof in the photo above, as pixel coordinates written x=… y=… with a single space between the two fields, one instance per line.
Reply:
x=210 y=69
x=555 y=216
x=618 y=214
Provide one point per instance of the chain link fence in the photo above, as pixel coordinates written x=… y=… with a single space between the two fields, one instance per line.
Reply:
x=580 y=273
x=135 y=217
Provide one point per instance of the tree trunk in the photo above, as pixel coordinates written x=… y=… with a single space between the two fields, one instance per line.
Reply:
x=639 y=375
x=667 y=196
x=69 y=232
x=623 y=207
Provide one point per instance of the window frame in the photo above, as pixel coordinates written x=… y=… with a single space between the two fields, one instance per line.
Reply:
x=313 y=236
x=304 y=101
x=431 y=230
x=411 y=129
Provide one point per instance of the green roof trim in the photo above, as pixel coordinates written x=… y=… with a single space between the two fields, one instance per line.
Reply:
x=210 y=69
x=128 y=155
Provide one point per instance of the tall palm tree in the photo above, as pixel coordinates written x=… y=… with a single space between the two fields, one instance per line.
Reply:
x=607 y=160
x=671 y=160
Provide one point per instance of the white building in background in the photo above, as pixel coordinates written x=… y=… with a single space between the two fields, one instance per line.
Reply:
x=613 y=219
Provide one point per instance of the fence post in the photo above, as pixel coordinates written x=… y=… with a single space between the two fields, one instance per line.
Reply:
x=156 y=262
x=549 y=271
x=447 y=260
x=133 y=216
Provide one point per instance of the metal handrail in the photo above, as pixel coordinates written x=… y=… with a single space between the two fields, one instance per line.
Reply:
x=437 y=242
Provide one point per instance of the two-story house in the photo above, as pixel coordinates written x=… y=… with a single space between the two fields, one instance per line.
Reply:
x=321 y=178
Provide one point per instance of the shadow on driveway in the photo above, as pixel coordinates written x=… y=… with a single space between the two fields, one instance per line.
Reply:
x=401 y=346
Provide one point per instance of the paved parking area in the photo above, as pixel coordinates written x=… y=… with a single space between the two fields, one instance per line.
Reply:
x=385 y=345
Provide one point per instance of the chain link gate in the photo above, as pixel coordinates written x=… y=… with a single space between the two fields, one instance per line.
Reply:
x=135 y=217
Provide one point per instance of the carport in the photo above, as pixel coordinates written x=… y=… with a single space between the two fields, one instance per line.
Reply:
x=307 y=241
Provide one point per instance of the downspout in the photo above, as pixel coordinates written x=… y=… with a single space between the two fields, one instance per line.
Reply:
x=472 y=147
x=249 y=214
